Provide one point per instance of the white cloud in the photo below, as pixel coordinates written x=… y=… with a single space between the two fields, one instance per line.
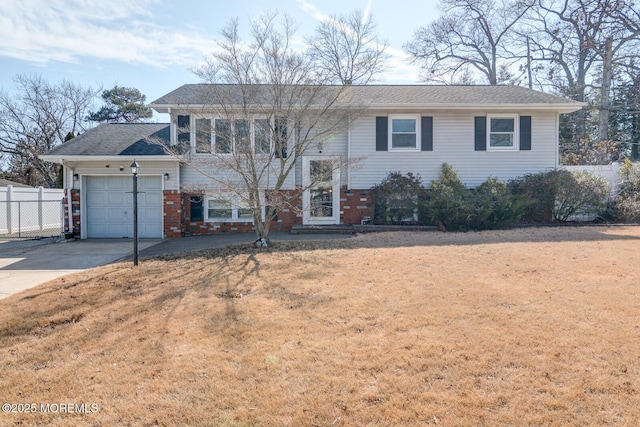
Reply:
x=40 y=31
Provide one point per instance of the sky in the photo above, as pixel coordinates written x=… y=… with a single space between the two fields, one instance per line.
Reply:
x=153 y=45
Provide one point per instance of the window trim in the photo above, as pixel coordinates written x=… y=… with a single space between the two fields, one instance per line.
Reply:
x=236 y=205
x=417 y=119
x=516 y=132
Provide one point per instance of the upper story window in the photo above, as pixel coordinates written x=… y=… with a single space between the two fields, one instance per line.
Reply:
x=502 y=132
x=261 y=136
x=183 y=133
x=403 y=132
x=226 y=136
x=203 y=135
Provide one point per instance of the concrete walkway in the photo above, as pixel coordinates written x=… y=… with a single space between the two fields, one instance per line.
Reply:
x=28 y=263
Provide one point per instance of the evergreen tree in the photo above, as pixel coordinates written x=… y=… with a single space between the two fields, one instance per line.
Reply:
x=122 y=105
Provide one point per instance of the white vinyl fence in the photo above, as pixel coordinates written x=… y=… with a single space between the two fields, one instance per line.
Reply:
x=31 y=212
x=609 y=172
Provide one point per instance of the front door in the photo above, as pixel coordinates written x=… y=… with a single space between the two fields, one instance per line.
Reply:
x=321 y=196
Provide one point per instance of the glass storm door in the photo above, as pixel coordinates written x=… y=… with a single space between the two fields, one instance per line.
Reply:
x=321 y=198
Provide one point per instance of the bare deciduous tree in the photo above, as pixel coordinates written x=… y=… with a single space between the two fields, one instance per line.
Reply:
x=469 y=33
x=266 y=105
x=37 y=117
x=617 y=45
x=348 y=48
x=582 y=42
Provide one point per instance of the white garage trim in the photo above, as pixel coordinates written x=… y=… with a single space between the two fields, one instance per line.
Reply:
x=107 y=206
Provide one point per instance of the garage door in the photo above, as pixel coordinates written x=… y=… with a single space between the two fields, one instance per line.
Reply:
x=110 y=207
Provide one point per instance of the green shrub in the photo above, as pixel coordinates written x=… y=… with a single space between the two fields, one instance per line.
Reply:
x=582 y=193
x=448 y=203
x=396 y=199
x=626 y=206
x=494 y=206
x=558 y=195
x=538 y=192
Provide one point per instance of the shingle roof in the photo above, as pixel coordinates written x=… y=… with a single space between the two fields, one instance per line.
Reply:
x=6 y=182
x=381 y=96
x=117 y=139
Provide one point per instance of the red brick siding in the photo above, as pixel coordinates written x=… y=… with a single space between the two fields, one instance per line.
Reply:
x=286 y=217
x=75 y=213
x=354 y=206
x=291 y=212
x=173 y=208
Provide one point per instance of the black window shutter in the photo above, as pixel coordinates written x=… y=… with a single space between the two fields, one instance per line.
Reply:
x=196 y=208
x=426 y=129
x=525 y=132
x=281 y=137
x=481 y=133
x=382 y=133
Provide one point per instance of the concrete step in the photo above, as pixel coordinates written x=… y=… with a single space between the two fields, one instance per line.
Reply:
x=322 y=229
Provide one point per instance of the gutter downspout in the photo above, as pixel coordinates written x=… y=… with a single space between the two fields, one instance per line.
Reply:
x=348 y=154
x=557 y=140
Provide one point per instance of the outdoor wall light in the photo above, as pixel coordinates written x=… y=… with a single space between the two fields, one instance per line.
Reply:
x=76 y=177
x=121 y=168
x=135 y=167
x=166 y=176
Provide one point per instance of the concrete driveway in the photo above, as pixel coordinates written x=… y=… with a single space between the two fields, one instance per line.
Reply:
x=25 y=264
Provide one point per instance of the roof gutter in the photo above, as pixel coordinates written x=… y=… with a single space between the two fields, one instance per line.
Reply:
x=560 y=108
x=60 y=159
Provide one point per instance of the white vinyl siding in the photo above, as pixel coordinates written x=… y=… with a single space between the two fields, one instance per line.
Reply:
x=112 y=168
x=453 y=143
x=205 y=173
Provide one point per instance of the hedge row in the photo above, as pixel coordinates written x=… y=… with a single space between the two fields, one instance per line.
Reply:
x=553 y=196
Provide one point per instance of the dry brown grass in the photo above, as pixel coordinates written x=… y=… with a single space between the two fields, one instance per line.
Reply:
x=523 y=327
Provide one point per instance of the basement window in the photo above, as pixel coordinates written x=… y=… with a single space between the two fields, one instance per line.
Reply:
x=228 y=209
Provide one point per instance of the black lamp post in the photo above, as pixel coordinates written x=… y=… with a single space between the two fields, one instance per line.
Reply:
x=135 y=167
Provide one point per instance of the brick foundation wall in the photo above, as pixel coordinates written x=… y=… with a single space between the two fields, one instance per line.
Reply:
x=173 y=208
x=286 y=218
x=75 y=213
x=290 y=215
x=354 y=206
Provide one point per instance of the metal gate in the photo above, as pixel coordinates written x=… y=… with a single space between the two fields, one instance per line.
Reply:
x=29 y=219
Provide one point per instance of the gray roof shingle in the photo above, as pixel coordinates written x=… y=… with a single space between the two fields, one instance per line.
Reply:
x=380 y=96
x=6 y=182
x=117 y=139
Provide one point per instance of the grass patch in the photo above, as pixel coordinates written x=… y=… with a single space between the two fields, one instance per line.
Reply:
x=517 y=327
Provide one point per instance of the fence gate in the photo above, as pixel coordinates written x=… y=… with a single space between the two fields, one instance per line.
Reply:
x=29 y=219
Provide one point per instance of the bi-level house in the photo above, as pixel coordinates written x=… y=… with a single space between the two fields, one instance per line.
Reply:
x=482 y=131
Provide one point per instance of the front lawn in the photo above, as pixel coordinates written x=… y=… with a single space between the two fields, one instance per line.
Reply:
x=520 y=327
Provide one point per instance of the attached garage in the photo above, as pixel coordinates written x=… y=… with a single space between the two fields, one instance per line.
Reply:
x=109 y=207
